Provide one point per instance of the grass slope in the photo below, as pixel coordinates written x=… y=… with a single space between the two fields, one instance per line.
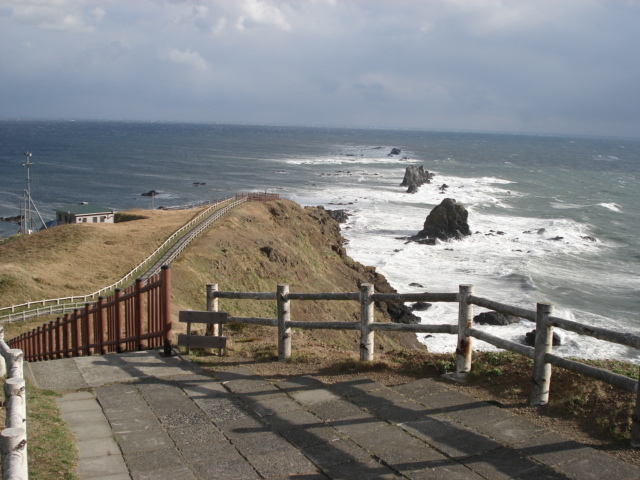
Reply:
x=260 y=245
x=82 y=258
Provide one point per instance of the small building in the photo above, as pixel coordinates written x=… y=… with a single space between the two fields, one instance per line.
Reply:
x=84 y=213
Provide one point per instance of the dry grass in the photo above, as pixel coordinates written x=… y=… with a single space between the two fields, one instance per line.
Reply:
x=258 y=246
x=80 y=259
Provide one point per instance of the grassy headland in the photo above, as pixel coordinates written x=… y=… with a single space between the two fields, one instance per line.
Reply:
x=82 y=258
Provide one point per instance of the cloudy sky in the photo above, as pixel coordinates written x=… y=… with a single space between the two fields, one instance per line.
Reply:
x=527 y=66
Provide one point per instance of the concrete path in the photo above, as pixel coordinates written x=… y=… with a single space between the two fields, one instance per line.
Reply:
x=142 y=416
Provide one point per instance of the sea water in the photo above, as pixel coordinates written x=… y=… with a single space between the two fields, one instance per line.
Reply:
x=554 y=218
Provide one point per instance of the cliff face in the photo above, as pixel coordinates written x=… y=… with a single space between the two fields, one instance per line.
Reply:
x=260 y=245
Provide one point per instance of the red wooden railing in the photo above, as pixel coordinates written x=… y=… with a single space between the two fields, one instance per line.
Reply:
x=136 y=318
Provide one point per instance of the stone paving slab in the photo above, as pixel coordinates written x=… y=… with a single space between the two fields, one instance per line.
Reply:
x=402 y=413
x=171 y=421
x=316 y=395
x=452 y=440
x=442 y=470
x=59 y=375
x=99 y=467
x=357 y=387
x=512 y=430
x=420 y=388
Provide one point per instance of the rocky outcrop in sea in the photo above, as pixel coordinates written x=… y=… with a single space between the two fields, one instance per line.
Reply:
x=414 y=177
x=445 y=222
x=530 y=338
x=495 y=318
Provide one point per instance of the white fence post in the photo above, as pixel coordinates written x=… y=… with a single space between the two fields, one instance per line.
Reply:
x=366 y=318
x=14 y=365
x=541 y=378
x=15 y=403
x=14 y=453
x=212 y=305
x=284 y=316
x=635 y=422
x=465 y=343
x=3 y=363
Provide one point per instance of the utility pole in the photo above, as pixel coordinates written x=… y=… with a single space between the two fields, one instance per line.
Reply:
x=25 y=217
x=27 y=222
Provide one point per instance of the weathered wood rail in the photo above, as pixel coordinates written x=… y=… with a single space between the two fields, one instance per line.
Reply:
x=541 y=354
x=135 y=318
x=13 y=438
x=258 y=196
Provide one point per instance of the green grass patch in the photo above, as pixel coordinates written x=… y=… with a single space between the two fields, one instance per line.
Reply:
x=127 y=217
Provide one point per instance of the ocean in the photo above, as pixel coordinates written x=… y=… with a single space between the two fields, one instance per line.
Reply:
x=554 y=218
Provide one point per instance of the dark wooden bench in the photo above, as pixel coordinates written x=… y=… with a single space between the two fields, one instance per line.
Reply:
x=210 y=319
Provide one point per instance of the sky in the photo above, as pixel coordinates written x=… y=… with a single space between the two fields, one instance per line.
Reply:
x=538 y=66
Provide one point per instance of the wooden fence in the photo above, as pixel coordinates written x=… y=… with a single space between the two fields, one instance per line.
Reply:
x=13 y=438
x=135 y=318
x=541 y=354
x=258 y=196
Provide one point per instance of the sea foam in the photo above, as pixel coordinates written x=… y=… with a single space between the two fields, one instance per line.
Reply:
x=507 y=258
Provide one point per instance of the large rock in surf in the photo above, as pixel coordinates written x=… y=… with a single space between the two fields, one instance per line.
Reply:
x=415 y=176
x=400 y=313
x=421 y=306
x=446 y=221
x=394 y=151
x=530 y=338
x=495 y=318
x=340 y=216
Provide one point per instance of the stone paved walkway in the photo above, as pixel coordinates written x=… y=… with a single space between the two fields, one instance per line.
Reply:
x=142 y=416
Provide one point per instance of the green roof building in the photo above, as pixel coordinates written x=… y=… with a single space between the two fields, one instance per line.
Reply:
x=84 y=213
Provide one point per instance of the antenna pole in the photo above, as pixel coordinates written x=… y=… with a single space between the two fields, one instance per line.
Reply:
x=27 y=222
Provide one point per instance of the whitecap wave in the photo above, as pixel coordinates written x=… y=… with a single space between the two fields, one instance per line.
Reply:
x=611 y=206
x=567 y=206
x=517 y=260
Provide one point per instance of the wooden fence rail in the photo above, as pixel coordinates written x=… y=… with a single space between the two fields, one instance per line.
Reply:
x=135 y=318
x=464 y=329
x=258 y=196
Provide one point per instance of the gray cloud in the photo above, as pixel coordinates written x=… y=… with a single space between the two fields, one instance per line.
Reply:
x=555 y=67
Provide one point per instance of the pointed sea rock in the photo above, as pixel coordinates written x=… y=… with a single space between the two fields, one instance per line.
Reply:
x=446 y=221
